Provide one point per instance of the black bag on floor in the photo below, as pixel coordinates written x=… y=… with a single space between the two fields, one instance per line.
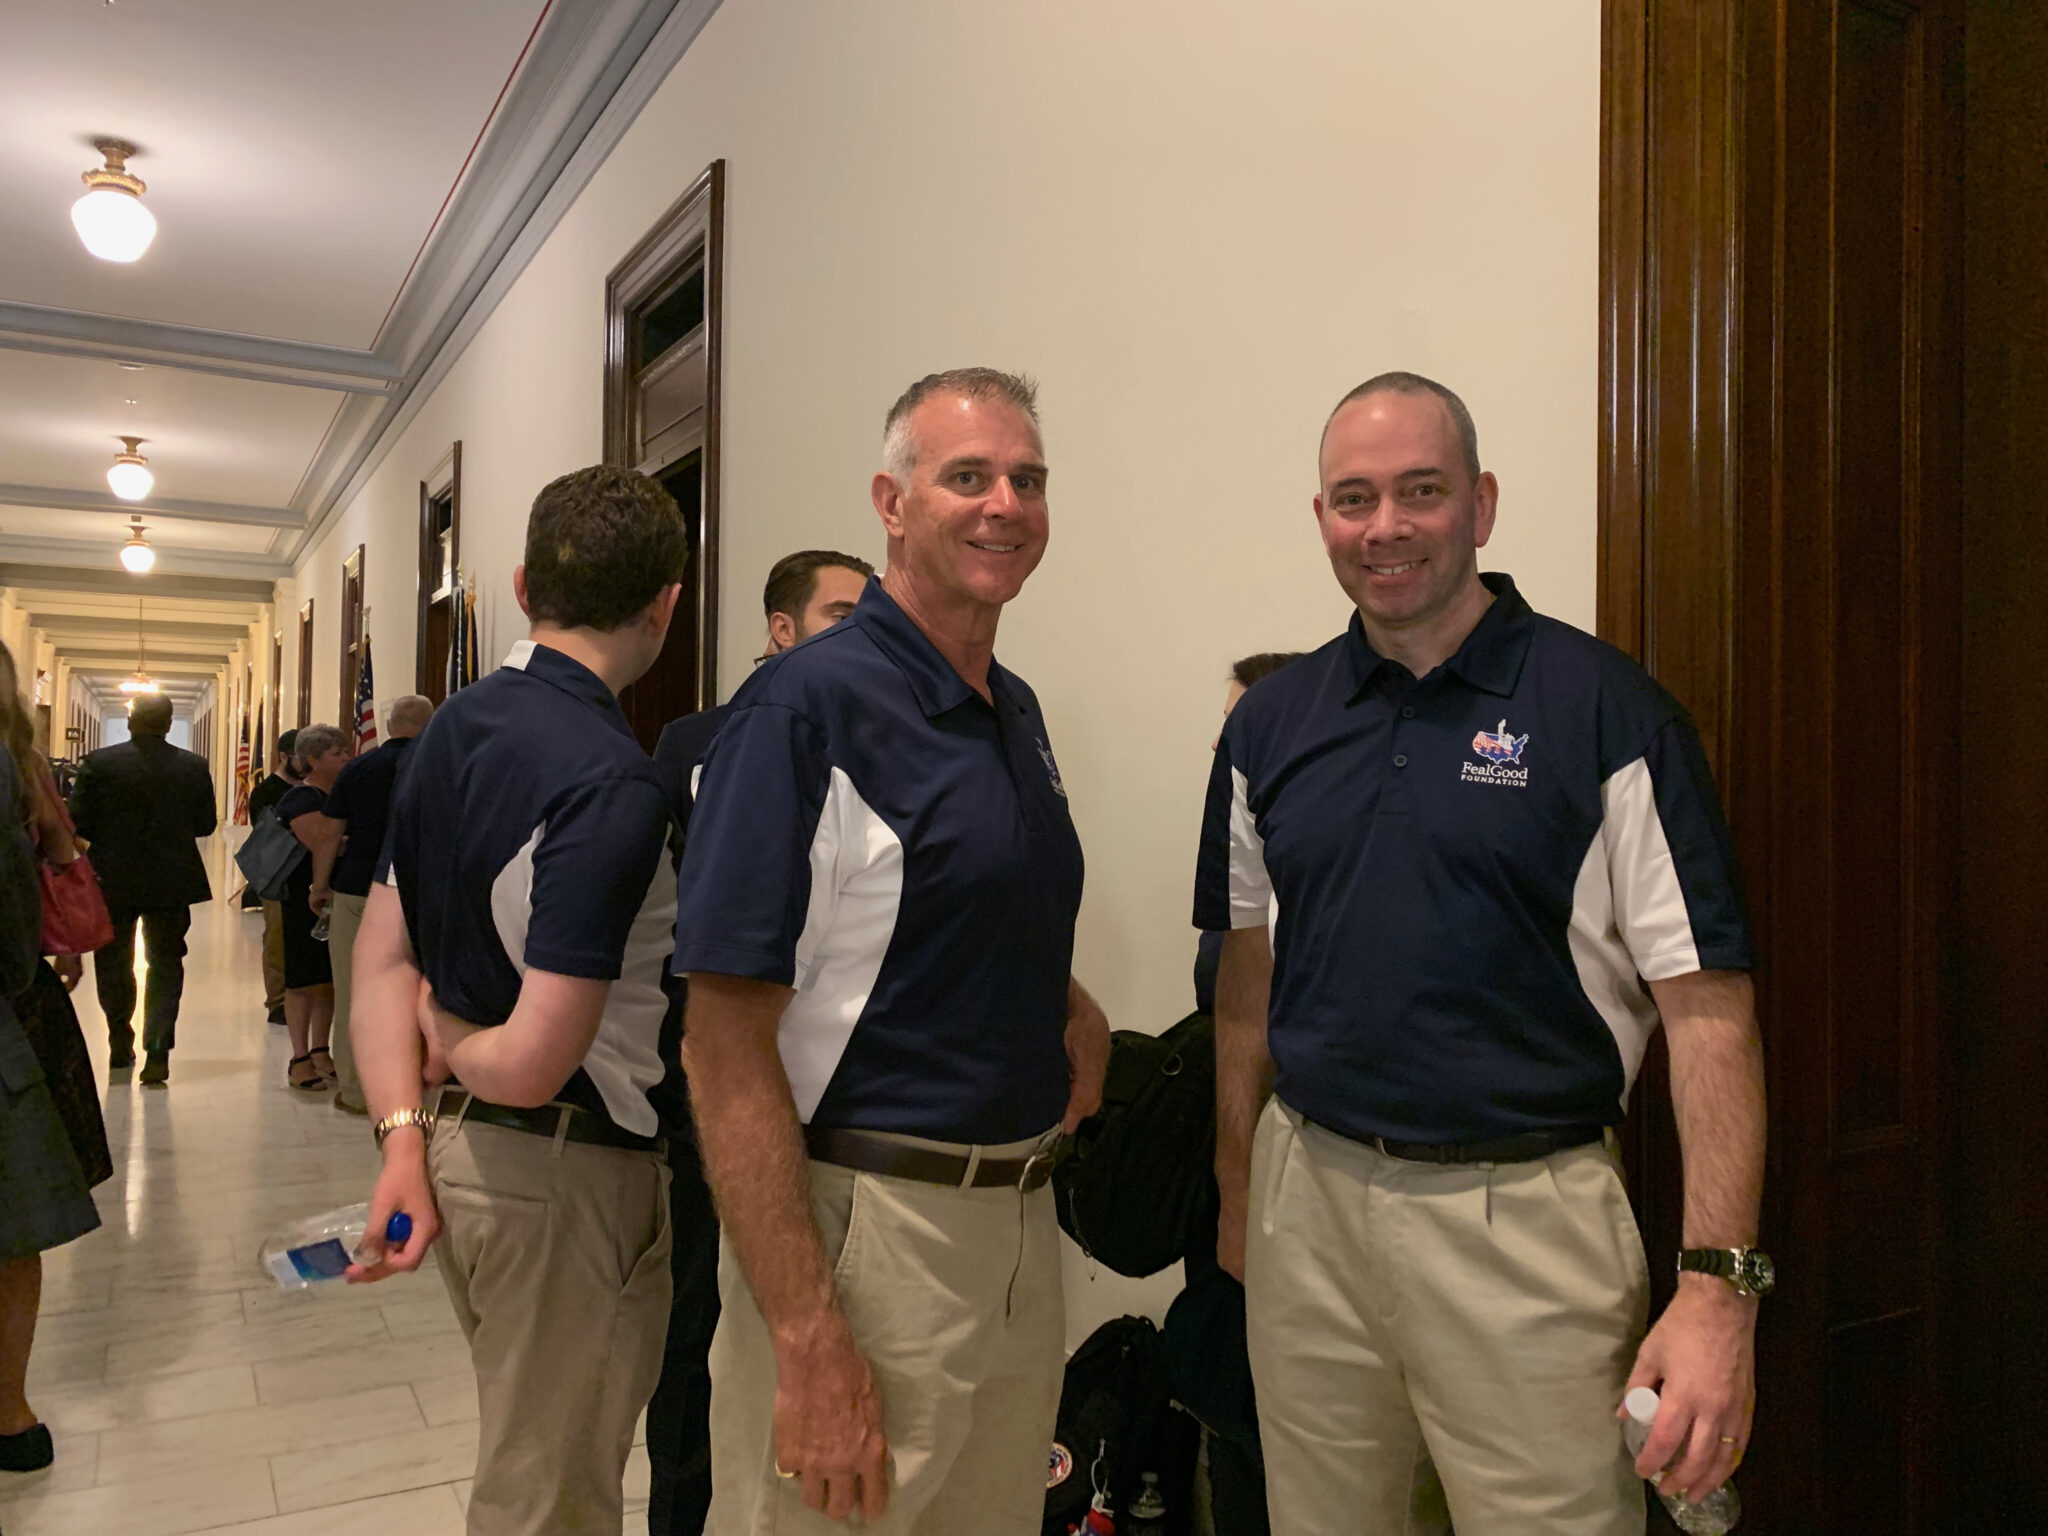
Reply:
x=1117 y=1422
x=1136 y=1185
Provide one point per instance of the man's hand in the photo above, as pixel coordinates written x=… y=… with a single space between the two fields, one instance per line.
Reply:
x=1701 y=1358
x=828 y=1422
x=442 y=1032
x=70 y=970
x=402 y=1186
x=319 y=898
x=1087 y=1056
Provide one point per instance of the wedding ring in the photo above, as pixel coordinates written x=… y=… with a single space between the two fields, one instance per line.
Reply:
x=1728 y=1440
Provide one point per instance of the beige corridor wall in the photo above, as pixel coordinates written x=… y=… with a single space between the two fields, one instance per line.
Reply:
x=1196 y=222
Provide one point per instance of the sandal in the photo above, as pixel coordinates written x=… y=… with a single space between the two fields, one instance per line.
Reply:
x=323 y=1063
x=310 y=1080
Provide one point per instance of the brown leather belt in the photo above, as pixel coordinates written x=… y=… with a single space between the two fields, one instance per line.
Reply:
x=588 y=1129
x=1526 y=1148
x=892 y=1159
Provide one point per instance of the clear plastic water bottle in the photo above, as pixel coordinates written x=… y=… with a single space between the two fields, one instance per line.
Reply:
x=1716 y=1514
x=323 y=925
x=1148 y=1509
x=321 y=1248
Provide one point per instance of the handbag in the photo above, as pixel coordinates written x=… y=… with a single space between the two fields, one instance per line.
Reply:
x=269 y=855
x=75 y=916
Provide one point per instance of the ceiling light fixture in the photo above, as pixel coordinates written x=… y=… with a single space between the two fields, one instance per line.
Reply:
x=110 y=218
x=136 y=553
x=129 y=478
x=141 y=682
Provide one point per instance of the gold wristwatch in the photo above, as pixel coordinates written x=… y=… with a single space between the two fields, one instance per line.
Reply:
x=423 y=1118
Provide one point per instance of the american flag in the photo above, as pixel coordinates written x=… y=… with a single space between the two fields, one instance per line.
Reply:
x=242 y=775
x=366 y=702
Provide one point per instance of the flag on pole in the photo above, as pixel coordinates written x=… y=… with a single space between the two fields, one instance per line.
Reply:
x=366 y=702
x=242 y=775
x=463 y=664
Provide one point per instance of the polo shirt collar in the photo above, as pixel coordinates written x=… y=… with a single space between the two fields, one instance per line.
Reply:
x=933 y=681
x=1492 y=655
x=562 y=671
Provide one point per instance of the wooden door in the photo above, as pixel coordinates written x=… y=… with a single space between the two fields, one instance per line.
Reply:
x=1781 y=366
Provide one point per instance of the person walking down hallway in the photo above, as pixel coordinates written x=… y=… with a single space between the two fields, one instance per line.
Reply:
x=262 y=798
x=141 y=806
x=308 y=970
x=350 y=836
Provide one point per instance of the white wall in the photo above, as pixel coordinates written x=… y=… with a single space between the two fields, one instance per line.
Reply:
x=1196 y=223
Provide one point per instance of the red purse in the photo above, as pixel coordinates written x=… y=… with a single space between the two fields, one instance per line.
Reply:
x=75 y=917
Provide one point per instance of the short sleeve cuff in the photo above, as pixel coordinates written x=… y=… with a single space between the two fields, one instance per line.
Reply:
x=728 y=960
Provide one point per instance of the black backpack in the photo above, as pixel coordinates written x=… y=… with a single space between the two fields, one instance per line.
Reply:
x=1117 y=1422
x=1136 y=1186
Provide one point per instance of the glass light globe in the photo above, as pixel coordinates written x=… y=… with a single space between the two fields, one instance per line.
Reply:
x=130 y=482
x=113 y=224
x=137 y=556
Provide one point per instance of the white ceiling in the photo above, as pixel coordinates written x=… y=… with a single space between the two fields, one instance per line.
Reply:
x=339 y=190
x=296 y=154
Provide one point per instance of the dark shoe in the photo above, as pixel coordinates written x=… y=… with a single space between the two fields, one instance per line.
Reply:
x=29 y=1451
x=277 y=1015
x=120 y=1049
x=156 y=1071
x=350 y=1106
x=121 y=1060
x=303 y=1075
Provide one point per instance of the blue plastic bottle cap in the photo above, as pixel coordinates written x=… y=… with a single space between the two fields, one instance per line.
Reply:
x=398 y=1230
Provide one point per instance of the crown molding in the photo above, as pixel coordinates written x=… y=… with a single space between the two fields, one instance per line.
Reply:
x=100 y=579
x=267 y=359
x=176 y=562
x=49 y=499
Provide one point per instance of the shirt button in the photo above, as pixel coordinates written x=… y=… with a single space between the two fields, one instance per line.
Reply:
x=1407 y=711
x=1400 y=760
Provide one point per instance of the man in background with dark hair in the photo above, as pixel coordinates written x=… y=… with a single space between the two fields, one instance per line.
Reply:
x=808 y=591
x=526 y=877
x=143 y=804
x=264 y=797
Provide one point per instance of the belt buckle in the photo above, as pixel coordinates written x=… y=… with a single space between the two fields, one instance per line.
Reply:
x=1037 y=1169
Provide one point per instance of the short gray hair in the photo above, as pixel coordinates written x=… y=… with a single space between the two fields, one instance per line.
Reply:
x=316 y=741
x=1416 y=384
x=410 y=713
x=899 y=443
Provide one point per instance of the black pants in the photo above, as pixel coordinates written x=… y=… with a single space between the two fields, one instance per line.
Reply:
x=163 y=945
x=679 y=1415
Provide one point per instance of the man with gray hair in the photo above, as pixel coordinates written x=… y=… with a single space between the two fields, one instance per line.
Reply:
x=884 y=1037
x=350 y=837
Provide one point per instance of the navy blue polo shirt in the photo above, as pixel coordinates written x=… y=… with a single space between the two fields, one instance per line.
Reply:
x=529 y=831
x=362 y=797
x=1476 y=872
x=872 y=832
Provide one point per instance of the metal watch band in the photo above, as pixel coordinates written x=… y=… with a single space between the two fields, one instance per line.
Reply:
x=423 y=1118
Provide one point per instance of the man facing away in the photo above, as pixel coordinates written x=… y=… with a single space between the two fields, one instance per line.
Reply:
x=284 y=774
x=142 y=804
x=349 y=836
x=1500 y=862
x=876 y=918
x=530 y=885
x=807 y=592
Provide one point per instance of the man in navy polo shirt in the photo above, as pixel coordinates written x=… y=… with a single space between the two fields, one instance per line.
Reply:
x=1499 y=862
x=884 y=1038
x=529 y=883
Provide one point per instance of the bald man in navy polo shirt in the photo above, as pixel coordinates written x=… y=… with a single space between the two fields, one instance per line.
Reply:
x=884 y=1038
x=1499 y=863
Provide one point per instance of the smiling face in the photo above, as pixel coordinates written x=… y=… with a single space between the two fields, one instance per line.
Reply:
x=1402 y=518
x=967 y=521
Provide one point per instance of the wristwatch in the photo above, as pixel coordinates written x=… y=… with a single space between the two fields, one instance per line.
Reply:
x=1749 y=1270
x=423 y=1118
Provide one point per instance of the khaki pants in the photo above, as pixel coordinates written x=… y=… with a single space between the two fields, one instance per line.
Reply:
x=273 y=956
x=556 y=1257
x=1486 y=1316
x=345 y=917
x=955 y=1298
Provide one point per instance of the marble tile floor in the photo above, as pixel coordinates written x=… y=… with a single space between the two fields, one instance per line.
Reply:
x=186 y=1393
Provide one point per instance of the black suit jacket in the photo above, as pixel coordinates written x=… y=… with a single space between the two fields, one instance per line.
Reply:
x=142 y=804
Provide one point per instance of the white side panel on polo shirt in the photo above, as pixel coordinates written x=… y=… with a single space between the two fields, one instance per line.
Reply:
x=622 y=1062
x=1252 y=900
x=856 y=893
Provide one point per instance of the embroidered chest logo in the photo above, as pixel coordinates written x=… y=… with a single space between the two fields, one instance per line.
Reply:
x=1052 y=769
x=1500 y=754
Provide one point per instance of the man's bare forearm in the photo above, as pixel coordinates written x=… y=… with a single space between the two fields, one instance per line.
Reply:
x=1717 y=1091
x=753 y=1151
x=326 y=851
x=1244 y=1068
x=383 y=1024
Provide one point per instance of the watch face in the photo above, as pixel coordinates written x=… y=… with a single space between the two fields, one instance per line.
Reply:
x=1759 y=1274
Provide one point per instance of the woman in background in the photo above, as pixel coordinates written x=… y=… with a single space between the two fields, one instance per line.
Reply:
x=308 y=972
